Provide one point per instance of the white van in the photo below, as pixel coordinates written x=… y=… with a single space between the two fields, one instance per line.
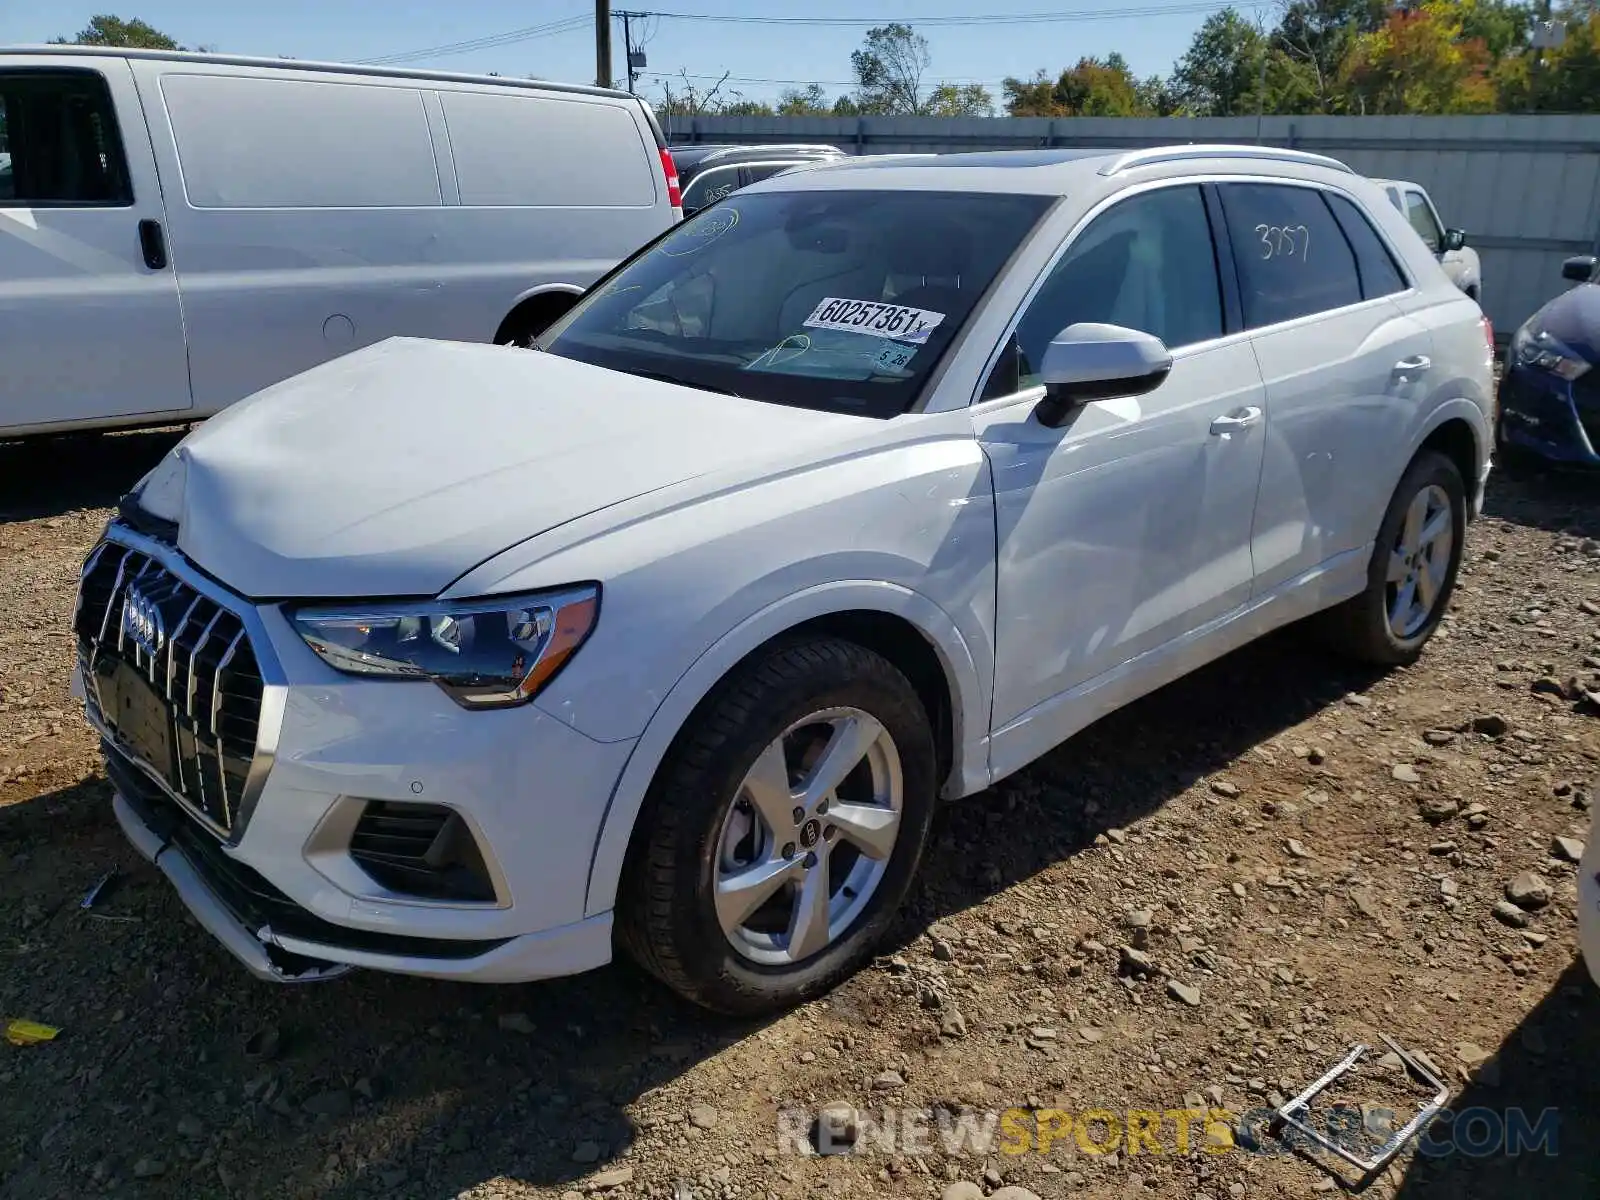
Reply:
x=178 y=231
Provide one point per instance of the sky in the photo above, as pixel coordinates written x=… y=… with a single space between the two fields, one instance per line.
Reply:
x=554 y=39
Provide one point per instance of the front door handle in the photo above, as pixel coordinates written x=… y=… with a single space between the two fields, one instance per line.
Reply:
x=1233 y=422
x=1414 y=365
x=153 y=244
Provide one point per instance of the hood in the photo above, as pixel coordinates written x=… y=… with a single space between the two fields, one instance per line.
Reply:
x=1573 y=318
x=393 y=470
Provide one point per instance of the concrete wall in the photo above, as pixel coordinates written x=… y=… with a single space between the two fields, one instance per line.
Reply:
x=1525 y=188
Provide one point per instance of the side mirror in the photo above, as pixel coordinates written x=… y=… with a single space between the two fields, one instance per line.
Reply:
x=1089 y=361
x=1580 y=268
x=1454 y=239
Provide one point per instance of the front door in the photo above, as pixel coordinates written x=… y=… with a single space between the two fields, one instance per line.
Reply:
x=1129 y=527
x=90 y=324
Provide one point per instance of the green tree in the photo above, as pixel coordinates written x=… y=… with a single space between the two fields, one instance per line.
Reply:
x=1564 y=79
x=959 y=100
x=1220 y=74
x=888 y=69
x=106 y=30
x=1315 y=36
x=1420 y=61
x=811 y=101
x=1093 y=88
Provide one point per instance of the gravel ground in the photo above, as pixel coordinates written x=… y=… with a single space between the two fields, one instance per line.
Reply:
x=1201 y=902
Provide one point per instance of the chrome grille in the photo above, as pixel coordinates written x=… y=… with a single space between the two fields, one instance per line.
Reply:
x=137 y=618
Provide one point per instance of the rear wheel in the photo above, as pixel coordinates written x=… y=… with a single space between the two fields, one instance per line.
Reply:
x=1413 y=569
x=783 y=831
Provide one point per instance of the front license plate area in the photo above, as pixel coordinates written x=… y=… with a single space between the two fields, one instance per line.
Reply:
x=137 y=715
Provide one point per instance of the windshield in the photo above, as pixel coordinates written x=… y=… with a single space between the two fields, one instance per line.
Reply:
x=833 y=300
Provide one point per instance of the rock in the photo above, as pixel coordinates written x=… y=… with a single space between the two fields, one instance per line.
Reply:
x=1090 y=1034
x=1316 y=756
x=1117 y=837
x=703 y=1116
x=953 y=1025
x=1138 y=918
x=1404 y=773
x=149 y=1168
x=1491 y=725
x=1439 y=849
x=1137 y=961
x=888 y=1081
x=1449 y=887
x=1012 y=1193
x=837 y=1128
x=1366 y=904
x=516 y=1022
x=1438 y=737
x=1295 y=849
x=263 y=1045
x=587 y=1152
x=1223 y=788
x=1186 y=993
x=604 y=1181
x=992 y=1177
x=1528 y=891
x=1438 y=809
x=1589 y=606
x=1569 y=849
x=1548 y=685
x=1534 y=939
x=962 y=1189
x=1510 y=914
x=333 y=1104
x=189 y=1127
x=1238 y=889
x=942 y=950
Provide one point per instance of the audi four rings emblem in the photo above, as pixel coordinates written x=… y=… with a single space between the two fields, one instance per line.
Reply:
x=141 y=622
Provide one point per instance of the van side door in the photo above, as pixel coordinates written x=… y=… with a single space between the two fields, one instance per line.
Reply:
x=90 y=323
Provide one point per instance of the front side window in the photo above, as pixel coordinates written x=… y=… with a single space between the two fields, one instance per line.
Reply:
x=1293 y=259
x=837 y=300
x=1420 y=213
x=1146 y=263
x=59 y=145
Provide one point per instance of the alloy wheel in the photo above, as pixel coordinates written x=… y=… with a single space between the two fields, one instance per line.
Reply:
x=1419 y=564
x=808 y=837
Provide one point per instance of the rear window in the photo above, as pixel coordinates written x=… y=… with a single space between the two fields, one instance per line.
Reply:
x=251 y=142
x=1293 y=258
x=532 y=150
x=837 y=300
x=1379 y=274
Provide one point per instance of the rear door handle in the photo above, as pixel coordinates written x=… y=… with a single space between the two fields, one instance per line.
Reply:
x=1233 y=422
x=1414 y=365
x=154 y=245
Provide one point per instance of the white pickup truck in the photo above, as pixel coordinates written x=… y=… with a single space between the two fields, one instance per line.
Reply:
x=1459 y=260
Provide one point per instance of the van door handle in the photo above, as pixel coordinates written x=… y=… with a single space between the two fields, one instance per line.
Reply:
x=1414 y=365
x=1239 y=418
x=154 y=245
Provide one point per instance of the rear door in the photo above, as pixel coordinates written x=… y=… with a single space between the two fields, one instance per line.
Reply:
x=90 y=323
x=1343 y=368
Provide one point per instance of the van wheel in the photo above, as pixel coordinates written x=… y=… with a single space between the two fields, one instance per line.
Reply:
x=531 y=318
x=783 y=830
x=1413 y=569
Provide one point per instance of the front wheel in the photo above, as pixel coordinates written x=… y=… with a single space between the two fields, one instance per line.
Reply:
x=783 y=830
x=1413 y=568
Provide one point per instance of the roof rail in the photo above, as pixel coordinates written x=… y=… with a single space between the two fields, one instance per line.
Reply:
x=1165 y=154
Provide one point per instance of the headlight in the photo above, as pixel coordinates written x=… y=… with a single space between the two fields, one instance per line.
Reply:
x=1540 y=349
x=484 y=653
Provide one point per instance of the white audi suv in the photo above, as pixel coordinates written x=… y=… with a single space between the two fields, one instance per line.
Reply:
x=855 y=493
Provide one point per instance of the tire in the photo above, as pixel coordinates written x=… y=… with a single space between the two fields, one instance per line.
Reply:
x=700 y=824
x=1365 y=626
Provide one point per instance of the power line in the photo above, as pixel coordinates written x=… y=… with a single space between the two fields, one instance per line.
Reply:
x=488 y=42
x=1039 y=18
x=798 y=82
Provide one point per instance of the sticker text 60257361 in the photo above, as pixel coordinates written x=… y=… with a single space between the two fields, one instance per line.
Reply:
x=874 y=319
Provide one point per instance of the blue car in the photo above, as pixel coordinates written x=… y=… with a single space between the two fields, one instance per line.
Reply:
x=1550 y=389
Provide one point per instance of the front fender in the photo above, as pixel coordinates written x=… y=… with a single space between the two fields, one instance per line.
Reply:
x=969 y=695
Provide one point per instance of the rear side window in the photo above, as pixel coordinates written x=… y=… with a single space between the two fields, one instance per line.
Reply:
x=1292 y=257
x=710 y=186
x=59 y=145
x=531 y=150
x=1420 y=214
x=1380 y=276
x=250 y=142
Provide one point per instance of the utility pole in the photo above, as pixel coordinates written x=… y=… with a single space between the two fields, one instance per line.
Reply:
x=602 y=43
x=635 y=57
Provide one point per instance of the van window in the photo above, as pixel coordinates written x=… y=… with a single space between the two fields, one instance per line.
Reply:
x=59 y=145
x=1292 y=257
x=1420 y=213
x=251 y=142
x=1380 y=276
x=1146 y=263
x=515 y=150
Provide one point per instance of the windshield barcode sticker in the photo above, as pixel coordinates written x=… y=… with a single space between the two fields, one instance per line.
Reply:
x=874 y=319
